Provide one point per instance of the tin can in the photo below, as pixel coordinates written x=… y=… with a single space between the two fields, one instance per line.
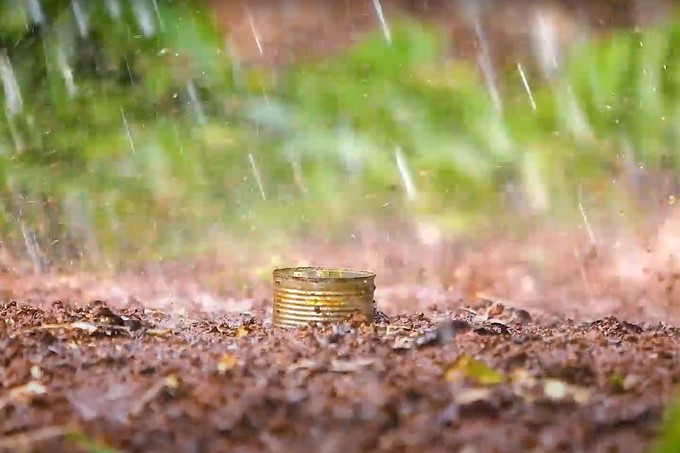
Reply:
x=304 y=295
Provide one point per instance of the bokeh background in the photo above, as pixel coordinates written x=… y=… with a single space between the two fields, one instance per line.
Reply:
x=134 y=130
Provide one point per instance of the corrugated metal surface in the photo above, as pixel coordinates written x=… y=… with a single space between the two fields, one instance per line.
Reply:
x=311 y=294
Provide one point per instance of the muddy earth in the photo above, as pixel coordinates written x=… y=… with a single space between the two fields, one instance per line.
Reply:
x=506 y=346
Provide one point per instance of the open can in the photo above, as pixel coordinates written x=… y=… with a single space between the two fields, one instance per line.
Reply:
x=304 y=295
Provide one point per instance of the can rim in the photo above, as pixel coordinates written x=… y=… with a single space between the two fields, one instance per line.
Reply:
x=314 y=274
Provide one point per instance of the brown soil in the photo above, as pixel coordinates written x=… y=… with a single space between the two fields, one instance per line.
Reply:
x=184 y=359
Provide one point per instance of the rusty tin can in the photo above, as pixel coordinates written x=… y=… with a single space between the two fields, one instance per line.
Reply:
x=304 y=295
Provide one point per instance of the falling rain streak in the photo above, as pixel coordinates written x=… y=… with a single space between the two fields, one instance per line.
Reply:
x=113 y=7
x=13 y=99
x=143 y=17
x=484 y=60
x=36 y=12
x=545 y=43
x=256 y=174
x=66 y=72
x=195 y=101
x=81 y=17
x=158 y=15
x=406 y=179
x=127 y=131
x=383 y=22
x=525 y=82
x=256 y=34
x=32 y=248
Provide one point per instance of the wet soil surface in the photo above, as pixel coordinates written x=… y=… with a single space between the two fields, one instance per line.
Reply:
x=481 y=379
x=583 y=366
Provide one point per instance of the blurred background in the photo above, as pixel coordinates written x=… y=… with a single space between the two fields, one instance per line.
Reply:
x=149 y=129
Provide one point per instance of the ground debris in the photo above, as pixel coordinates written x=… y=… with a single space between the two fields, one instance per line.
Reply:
x=22 y=392
x=414 y=382
x=468 y=368
x=30 y=440
x=169 y=382
x=351 y=366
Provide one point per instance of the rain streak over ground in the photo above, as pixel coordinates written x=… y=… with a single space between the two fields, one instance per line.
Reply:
x=542 y=339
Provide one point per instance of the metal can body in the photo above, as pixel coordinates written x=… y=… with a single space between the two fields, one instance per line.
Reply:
x=304 y=295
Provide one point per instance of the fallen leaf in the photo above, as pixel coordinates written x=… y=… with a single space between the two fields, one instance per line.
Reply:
x=349 y=366
x=242 y=331
x=33 y=388
x=474 y=370
x=469 y=396
x=227 y=362
x=555 y=389
x=171 y=381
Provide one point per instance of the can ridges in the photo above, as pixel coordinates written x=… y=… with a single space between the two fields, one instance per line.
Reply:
x=321 y=294
x=303 y=295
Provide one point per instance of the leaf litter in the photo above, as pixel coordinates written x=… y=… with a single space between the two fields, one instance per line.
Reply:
x=486 y=374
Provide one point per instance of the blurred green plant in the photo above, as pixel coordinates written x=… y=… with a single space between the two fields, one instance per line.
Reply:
x=99 y=143
x=127 y=131
x=669 y=439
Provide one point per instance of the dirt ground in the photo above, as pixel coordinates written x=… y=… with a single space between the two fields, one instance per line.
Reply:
x=541 y=343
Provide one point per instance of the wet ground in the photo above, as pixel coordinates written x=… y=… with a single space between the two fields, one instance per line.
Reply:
x=489 y=346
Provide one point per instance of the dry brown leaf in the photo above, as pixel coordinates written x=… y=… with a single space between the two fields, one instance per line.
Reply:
x=242 y=331
x=227 y=362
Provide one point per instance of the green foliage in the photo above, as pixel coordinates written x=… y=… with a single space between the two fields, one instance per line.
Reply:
x=102 y=101
x=127 y=128
x=669 y=440
x=344 y=120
